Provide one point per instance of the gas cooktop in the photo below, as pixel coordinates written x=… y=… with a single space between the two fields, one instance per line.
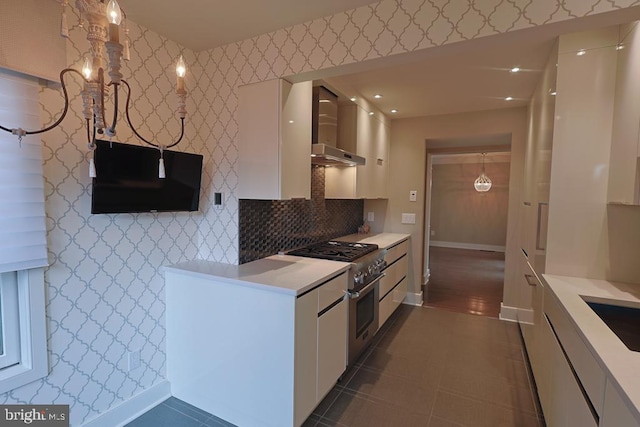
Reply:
x=335 y=250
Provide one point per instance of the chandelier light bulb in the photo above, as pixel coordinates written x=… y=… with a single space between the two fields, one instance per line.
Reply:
x=181 y=68
x=87 y=70
x=114 y=15
x=482 y=184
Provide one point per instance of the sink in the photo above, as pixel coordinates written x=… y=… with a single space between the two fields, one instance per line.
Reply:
x=623 y=321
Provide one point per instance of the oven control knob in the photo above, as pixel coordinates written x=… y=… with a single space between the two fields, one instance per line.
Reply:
x=370 y=270
x=358 y=278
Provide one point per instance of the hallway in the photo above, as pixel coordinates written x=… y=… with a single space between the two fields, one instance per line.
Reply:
x=465 y=281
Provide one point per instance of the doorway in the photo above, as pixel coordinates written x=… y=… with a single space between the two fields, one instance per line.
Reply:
x=466 y=229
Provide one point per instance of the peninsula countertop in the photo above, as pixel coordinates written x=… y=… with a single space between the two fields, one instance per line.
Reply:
x=278 y=273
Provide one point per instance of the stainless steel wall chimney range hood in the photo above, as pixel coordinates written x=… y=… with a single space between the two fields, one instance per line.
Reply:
x=324 y=150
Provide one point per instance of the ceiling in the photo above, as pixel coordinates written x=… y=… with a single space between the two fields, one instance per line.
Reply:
x=205 y=24
x=469 y=81
x=462 y=77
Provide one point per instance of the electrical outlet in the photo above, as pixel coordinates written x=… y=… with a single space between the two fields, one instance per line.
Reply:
x=134 y=360
x=370 y=216
x=408 y=218
x=413 y=195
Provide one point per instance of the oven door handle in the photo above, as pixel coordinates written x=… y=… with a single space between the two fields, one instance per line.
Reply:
x=356 y=294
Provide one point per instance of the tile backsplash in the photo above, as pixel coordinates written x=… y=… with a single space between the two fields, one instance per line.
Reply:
x=270 y=226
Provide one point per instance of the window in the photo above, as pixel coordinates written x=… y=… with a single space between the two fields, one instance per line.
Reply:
x=9 y=320
x=27 y=318
x=23 y=249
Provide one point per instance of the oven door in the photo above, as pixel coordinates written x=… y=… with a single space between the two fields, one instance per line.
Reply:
x=363 y=318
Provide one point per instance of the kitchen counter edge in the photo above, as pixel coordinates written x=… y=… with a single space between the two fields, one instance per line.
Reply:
x=278 y=273
x=383 y=240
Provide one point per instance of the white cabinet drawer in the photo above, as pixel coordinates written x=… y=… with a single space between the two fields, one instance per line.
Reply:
x=587 y=369
x=389 y=304
x=331 y=291
x=393 y=274
x=396 y=251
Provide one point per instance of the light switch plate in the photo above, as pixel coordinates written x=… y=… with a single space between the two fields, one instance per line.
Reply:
x=408 y=218
x=370 y=216
x=413 y=195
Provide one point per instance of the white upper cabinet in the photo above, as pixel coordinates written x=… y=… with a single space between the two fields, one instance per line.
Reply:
x=624 y=173
x=369 y=137
x=274 y=135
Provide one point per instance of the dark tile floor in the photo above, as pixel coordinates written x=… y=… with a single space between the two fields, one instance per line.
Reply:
x=426 y=367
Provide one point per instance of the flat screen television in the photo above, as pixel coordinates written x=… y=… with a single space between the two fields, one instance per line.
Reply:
x=127 y=180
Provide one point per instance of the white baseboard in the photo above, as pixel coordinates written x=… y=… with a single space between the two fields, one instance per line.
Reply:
x=132 y=408
x=509 y=314
x=473 y=246
x=525 y=315
x=413 y=299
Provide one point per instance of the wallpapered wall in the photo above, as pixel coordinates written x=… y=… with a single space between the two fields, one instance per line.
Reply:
x=459 y=214
x=104 y=287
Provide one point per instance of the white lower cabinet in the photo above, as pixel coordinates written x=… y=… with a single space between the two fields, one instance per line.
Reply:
x=332 y=348
x=616 y=413
x=393 y=285
x=251 y=356
x=565 y=405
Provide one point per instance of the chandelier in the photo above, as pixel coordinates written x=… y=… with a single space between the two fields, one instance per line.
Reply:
x=103 y=33
x=482 y=184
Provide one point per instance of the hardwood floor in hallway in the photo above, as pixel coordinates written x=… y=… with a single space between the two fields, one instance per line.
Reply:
x=465 y=281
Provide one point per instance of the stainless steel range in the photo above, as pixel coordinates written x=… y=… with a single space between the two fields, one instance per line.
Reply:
x=367 y=262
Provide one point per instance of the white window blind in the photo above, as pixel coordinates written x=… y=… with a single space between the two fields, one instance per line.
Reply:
x=23 y=241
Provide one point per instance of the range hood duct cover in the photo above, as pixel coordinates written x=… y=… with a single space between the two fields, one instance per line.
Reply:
x=324 y=136
x=323 y=154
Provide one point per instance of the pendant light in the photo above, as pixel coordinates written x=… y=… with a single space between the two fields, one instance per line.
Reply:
x=482 y=184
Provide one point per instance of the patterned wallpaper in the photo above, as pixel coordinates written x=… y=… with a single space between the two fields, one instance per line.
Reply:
x=104 y=287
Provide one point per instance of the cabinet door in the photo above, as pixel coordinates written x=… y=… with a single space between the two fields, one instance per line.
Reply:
x=566 y=405
x=332 y=347
x=616 y=412
x=274 y=140
x=305 y=358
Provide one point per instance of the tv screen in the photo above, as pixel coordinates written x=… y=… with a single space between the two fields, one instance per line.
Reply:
x=127 y=180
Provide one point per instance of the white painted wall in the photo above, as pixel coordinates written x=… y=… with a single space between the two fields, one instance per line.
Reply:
x=408 y=160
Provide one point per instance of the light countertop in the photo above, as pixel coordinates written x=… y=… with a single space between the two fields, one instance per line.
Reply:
x=278 y=273
x=621 y=364
x=383 y=240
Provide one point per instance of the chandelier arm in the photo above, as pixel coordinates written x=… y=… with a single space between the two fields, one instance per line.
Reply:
x=112 y=129
x=181 y=133
x=64 y=111
x=126 y=110
x=90 y=142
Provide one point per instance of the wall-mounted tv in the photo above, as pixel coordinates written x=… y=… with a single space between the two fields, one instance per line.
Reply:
x=127 y=180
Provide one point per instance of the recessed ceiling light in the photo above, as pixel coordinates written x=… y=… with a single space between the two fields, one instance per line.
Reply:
x=371 y=113
x=394 y=111
x=620 y=46
x=581 y=52
x=353 y=99
x=377 y=96
x=508 y=98
x=290 y=121
x=515 y=69
x=554 y=93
